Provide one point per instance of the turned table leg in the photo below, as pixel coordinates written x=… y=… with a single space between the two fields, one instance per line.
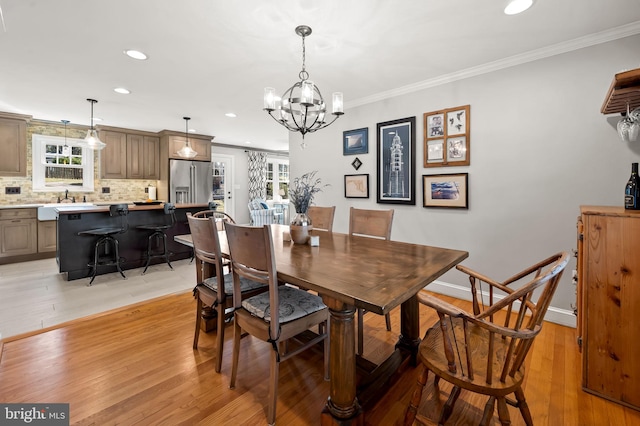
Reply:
x=342 y=406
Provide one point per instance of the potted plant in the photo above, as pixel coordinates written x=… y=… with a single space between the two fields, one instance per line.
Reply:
x=301 y=193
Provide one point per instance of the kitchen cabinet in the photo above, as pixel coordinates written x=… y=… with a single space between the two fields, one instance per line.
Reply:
x=113 y=158
x=129 y=154
x=143 y=157
x=608 y=300
x=13 y=140
x=171 y=142
x=47 y=236
x=18 y=232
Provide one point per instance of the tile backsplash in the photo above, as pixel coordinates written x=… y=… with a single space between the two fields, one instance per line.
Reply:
x=119 y=189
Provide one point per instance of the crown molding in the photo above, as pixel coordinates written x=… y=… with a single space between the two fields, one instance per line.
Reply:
x=522 y=58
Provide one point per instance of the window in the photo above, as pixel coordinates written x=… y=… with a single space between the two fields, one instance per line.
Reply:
x=277 y=177
x=60 y=164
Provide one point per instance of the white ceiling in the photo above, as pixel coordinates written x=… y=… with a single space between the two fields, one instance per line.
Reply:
x=210 y=57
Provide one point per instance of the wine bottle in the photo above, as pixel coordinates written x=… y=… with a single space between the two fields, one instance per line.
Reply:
x=632 y=190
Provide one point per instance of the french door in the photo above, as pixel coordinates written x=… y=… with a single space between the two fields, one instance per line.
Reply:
x=223 y=183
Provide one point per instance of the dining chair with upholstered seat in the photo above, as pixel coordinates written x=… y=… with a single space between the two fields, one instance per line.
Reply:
x=322 y=217
x=484 y=351
x=217 y=291
x=252 y=257
x=375 y=224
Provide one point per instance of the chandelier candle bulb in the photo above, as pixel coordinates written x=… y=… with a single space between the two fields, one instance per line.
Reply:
x=269 y=99
x=338 y=107
x=306 y=95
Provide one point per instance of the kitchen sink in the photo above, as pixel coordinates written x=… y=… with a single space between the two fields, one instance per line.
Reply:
x=50 y=211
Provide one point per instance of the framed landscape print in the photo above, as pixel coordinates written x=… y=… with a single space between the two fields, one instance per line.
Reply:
x=396 y=161
x=446 y=137
x=445 y=190
x=356 y=186
x=355 y=141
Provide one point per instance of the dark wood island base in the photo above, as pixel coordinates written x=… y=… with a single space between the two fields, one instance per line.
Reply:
x=75 y=252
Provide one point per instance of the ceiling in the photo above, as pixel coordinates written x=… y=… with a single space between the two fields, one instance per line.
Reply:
x=208 y=57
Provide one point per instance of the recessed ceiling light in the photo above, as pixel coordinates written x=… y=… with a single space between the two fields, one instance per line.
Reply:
x=230 y=114
x=97 y=119
x=192 y=130
x=121 y=90
x=517 y=6
x=135 y=54
x=247 y=142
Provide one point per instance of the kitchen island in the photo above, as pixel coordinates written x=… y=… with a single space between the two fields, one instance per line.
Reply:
x=74 y=252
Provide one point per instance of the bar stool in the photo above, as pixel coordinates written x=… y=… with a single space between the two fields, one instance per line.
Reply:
x=107 y=239
x=159 y=234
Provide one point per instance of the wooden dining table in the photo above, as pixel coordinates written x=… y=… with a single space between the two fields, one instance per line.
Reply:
x=351 y=272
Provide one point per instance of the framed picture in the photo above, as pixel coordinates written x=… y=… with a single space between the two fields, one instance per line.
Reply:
x=356 y=186
x=356 y=163
x=396 y=161
x=445 y=190
x=355 y=141
x=446 y=137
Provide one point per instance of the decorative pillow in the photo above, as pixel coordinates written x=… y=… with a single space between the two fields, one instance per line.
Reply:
x=264 y=205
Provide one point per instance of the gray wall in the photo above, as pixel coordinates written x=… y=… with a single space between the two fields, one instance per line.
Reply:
x=540 y=148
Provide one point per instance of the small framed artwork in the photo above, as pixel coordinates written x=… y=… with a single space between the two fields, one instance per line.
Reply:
x=356 y=186
x=355 y=141
x=446 y=137
x=445 y=190
x=396 y=161
x=356 y=163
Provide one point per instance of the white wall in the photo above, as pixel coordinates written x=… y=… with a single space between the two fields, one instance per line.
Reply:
x=540 y=148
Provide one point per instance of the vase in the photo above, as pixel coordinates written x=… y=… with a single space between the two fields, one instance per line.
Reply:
x=299 y=228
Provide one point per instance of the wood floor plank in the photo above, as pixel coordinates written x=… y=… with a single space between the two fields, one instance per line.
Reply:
x=136 y=365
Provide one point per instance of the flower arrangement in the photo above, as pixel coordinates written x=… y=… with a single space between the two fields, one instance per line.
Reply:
x=303 y=189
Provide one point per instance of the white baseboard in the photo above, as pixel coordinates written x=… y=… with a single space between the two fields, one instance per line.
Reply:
x=556 y=315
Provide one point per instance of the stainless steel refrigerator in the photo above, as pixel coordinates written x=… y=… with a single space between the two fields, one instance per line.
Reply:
x=190 y=181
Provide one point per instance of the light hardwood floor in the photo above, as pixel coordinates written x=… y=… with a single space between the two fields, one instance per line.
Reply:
x=33 y=295
x=136 y=365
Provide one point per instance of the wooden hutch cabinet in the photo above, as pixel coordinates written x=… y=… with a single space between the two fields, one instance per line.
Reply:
x=609 y=302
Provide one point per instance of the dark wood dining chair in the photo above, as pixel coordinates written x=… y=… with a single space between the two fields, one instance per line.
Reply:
x=375 y=224
x=215 y=292
x=252 y=257
x=484 y=351
x=322 y=217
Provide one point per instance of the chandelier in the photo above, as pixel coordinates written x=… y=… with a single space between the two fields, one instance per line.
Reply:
x=302 y=108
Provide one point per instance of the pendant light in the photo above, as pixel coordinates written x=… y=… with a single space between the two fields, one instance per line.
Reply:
x=186 y=151
x=66 y=149
x=92 y=139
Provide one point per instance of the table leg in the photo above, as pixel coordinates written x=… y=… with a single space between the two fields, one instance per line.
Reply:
x=342 y=406
x=410 y=328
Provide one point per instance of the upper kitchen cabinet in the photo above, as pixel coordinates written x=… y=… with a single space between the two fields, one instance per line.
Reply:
x=171 y=142
x=113 y=158
x=13 y=142
x=143 y=152
x=129 y=154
